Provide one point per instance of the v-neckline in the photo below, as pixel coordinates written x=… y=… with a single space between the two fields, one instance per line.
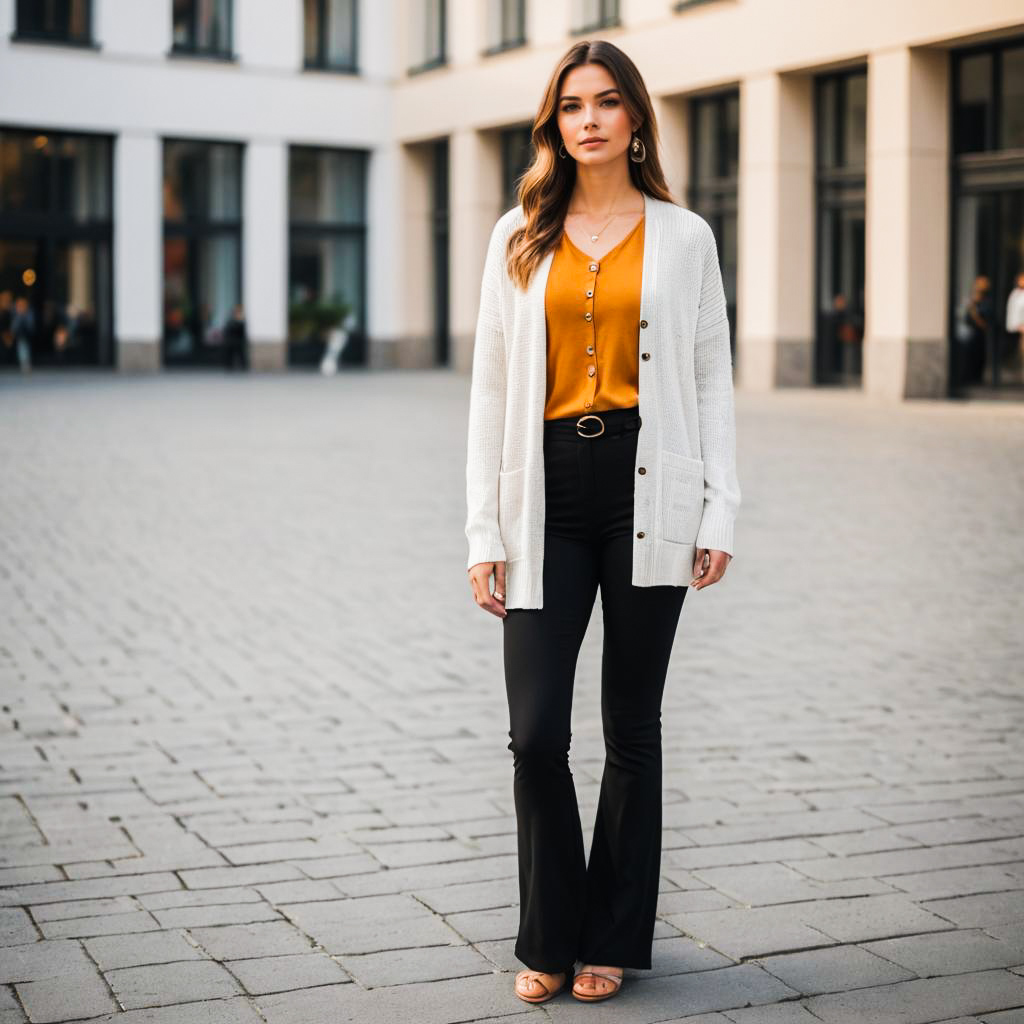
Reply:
x=618 y=245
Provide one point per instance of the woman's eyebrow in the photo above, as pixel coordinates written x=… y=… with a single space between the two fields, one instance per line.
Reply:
x=596 y=95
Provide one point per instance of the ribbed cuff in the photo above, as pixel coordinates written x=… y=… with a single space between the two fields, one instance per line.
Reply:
x=485 y=547
x=715 y=531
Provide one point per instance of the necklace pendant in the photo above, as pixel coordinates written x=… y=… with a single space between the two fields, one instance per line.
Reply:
x=593 y=238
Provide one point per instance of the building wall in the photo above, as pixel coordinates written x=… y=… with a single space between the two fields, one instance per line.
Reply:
x=129 y=87
x=770 y=49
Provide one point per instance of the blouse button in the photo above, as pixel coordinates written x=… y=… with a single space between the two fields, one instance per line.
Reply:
x=588 y=316
x=643 y=323
x=590 y=350
x=645 y=355
x=590 y=295
x=640 y=534
x=641 y=470
x=591 y=371
x=593 y=266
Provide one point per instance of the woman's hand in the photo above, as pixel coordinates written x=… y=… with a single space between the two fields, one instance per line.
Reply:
x=480 y=581
x=712 y=572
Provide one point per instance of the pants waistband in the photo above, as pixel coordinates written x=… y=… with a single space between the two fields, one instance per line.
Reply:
x=591 y=426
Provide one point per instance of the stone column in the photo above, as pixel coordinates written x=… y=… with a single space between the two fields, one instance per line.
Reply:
x=907 y=224
x=265 y=253
x=775 y=333
x=138 y=258
x=475 y=207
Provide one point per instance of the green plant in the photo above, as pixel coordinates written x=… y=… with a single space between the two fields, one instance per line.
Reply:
x=316 y=315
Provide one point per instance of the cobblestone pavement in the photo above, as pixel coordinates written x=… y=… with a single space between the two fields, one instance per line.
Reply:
x=253 y=759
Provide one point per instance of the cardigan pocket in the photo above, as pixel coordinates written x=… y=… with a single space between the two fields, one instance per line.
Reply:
x=511 y=506
x=682 y=497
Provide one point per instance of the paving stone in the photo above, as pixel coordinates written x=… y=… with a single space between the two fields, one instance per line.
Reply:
x=404 y=966
x=38 y=961
x=83 y=908
x=167 y=984
x=950 y=952
x=916 y=1002
x=833 y=970
x=264 y=975
x=114 y=924
x=229 y=913
x=238 y=942
x=66 y=997
x=981 y=910
x=16 y=927
x=113 y=951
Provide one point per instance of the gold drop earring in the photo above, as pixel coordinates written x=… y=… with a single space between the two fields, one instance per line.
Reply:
x=637 y=151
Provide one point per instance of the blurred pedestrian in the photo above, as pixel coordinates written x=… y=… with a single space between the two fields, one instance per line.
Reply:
x=977 y=321
x=23 y=330
x=236 y=340
x=628 y=485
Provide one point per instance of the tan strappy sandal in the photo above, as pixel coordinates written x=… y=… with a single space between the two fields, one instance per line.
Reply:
x=548 y=993
x=596 y=997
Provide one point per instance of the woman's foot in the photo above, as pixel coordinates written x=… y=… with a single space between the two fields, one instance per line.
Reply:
x=594 y=983
x=538 y=987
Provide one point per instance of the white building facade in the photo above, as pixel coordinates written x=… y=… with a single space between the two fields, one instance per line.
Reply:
x=862 y=166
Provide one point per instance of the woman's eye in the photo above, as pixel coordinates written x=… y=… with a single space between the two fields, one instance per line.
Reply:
x=570 y=106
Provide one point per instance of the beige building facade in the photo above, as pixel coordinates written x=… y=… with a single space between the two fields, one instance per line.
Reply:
x=862 y=166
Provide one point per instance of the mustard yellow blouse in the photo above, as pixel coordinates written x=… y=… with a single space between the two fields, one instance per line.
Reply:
x=592 y=311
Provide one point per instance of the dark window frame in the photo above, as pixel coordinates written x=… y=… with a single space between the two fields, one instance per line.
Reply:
x=715 y=197
x=193 y=49
x=195 y=228
x=441 y=59
x=837 y=187
x=610 y=17
x=510 y=42
x=512 y=139
x=320 y=62
x=356 y=350
x=23 y=35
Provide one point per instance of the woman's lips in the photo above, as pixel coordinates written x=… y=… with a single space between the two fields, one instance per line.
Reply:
x=594 y=142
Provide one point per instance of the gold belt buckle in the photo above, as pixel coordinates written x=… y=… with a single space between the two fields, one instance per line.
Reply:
x=590 y=416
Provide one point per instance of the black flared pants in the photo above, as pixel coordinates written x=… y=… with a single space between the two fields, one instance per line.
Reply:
x=601 y=910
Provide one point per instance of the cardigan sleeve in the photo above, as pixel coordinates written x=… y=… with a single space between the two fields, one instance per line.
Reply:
x=486 y=413
x=712 y=365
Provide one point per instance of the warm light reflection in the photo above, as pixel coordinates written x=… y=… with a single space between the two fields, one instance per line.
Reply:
x=40 y=141
x=28 y=277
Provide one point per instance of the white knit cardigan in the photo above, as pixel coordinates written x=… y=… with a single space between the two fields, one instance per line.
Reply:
x=688 y=494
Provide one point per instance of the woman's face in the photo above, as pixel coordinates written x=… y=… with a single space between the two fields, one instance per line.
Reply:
x=590 y=105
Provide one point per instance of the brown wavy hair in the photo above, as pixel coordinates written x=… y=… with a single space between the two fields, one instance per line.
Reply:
x=546 y=186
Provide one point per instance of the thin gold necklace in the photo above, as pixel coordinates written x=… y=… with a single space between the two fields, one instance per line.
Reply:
x=595 y=237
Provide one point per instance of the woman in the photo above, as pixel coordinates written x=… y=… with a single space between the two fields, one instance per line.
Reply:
x=601 y=454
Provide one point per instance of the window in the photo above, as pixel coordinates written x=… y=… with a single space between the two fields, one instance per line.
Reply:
x=714 y=181
x=516 y=156
x=840 y=186
x=588 y=15
x=331 y=34
x=428 y=27
x=506 y=25
x=327 y=252
x=202 y=27
x=55 y=244
x=988 y=216
x=202 y=247
x=988 y=93
x=57 y=21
